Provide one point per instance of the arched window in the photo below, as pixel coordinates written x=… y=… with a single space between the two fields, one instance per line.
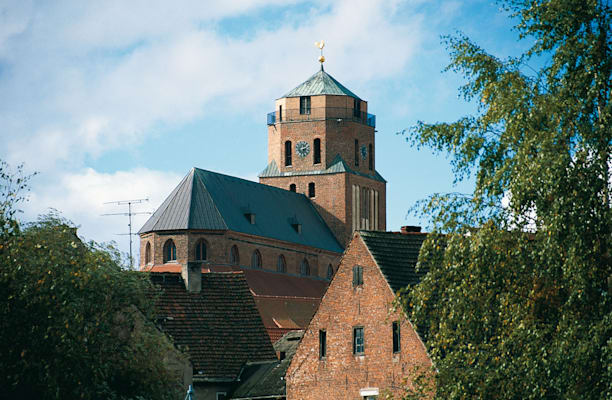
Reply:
x=234 y=255
x=356 y=152
x=292 y=187
x=281 y=265
x=148 y=253
x=169 y=251
x=330 y=271
x=288 y=153
x=200 y=250
x=317 y=151
x=371 y=157
x=311 y=189
x=256 y=259
x=304 y=268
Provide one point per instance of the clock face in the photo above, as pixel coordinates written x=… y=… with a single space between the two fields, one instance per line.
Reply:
x=302 y=148
x=364 y=152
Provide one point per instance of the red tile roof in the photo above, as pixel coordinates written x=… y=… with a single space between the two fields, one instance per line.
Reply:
x=219 y=327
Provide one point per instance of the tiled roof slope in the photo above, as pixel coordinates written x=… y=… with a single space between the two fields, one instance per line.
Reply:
x=396 y=254
x=267 y=380
x=320 y=83
x=213 y=201
x=220 y=327
x=337 y=166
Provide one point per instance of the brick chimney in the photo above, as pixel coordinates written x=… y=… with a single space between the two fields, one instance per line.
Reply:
x=192 y=275
x=410 y=229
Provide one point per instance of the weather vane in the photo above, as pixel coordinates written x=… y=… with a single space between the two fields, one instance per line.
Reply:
x=320 y=45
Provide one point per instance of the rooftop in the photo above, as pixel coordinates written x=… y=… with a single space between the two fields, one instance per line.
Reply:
x=318 y=84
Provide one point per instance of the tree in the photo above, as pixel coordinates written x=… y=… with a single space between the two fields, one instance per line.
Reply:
x=518 y=300
x=73 y=323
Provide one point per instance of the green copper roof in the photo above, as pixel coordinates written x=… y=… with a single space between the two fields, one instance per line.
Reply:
x=321 y=83
x=212 y=201
x=338 y=165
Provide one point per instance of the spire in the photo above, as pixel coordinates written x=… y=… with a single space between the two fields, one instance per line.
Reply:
x=320 y=45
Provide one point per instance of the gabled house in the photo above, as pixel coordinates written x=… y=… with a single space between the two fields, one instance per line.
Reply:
x=213 y=319
x=356 y=345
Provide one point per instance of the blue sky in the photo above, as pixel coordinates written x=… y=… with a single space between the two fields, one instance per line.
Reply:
x=115 y=100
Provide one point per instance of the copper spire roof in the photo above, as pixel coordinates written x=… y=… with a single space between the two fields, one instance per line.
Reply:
x=321 y=83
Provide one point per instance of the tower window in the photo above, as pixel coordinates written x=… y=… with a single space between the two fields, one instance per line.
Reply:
x=169 y=251
x=356 y=108
x=358 y=340
x=311 y=189
x=356 y=152
x=304 y=268
x=148 y=253
x=281 y=264
x=305 y=105
x=200 y=251
x=288 y=153
x=292 y=187
x=280 y=113
x=256 y=259
x=322 y=343
x=317 y=151
x=234 y=255
x=396 y=337
x=371 y=157
x=330 y=272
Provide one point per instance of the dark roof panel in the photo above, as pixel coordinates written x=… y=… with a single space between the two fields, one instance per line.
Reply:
x=318 y=84
x=396 y=254
x=220 y=327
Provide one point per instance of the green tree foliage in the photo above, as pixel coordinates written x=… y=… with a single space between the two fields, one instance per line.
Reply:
x=73 y=323
x=517 y=303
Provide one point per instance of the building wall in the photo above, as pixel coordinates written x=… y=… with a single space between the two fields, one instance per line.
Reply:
x=218 y=245
x=341 y=374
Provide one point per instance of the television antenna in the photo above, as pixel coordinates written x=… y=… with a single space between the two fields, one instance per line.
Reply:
x=129 y=214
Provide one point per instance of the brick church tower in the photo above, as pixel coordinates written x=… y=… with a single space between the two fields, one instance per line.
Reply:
x=321 y=142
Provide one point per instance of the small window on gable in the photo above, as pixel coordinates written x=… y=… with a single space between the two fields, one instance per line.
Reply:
x=304 y=268
x=169 y=251
x=396 y=337
x=200 y=250
x=357 y=275
x=358 y=340
x=292 y=187
x=356 y=152
x=305 y=105
x=317 y=151
x=322 y=343
x=281 y=264
x=234 y=255
x=330 y=272
x=288 y=150
x=311 y=189
x=148 y=253
x=256 y=259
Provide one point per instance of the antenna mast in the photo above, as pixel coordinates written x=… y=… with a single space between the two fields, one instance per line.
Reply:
x=129 y=214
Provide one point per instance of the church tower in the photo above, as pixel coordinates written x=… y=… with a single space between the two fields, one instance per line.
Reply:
x=321 y=142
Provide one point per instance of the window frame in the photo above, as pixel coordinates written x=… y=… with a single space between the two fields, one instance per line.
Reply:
x=370 y=157
x=169 y=251
x=288 y=153
x=311 y=190
x=305 y=103
x=256 y=261
x=281 y=264
x=304 y=267
x=356 y=152
x=316 y=155
x=330 y=272
x=234 y=257
x=322 y=344
x=148 y=253
x=198 y=249
x=293 y=188
x=358 y=333
x=357 y=275
x=397 y=337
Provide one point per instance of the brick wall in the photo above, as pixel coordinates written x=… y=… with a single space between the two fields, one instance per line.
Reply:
x=341 y=374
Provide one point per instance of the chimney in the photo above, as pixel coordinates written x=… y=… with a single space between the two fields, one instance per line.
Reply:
x=192 y=275
x=410 y=229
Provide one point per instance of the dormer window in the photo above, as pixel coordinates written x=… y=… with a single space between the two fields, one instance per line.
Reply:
x=305 y=105
x=250 y=217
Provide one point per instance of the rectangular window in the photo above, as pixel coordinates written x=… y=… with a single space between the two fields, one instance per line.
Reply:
x=356 y=152
x=280 y=113
x=396 y=337
x=357 y=275
x=221 y=395
x=358 y=341
x=322 y=344
x=356 y=108
x=305 y=105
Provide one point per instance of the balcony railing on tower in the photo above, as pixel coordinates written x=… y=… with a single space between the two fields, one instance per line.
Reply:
x=320 y=114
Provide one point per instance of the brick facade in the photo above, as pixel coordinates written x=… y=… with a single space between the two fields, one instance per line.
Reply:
x=342 y=374
x=219 y=244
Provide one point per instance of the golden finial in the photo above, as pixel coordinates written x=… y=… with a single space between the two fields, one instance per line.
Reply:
x=320 y=45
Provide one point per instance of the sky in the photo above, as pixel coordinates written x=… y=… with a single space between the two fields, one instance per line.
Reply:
x=114 y=100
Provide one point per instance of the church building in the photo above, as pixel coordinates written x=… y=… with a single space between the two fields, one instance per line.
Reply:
x=287 y=232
